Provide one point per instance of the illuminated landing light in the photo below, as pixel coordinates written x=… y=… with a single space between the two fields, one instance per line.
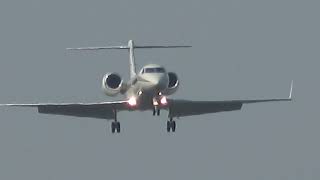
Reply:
x=164 y=101
x=132 y=101
x=155 y=102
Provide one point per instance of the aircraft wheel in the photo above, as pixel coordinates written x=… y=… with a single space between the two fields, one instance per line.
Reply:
x=158 y=112
x=168 y=126
x=154 y=112
x=113 y=127
x=118 y=127
x=173 y=126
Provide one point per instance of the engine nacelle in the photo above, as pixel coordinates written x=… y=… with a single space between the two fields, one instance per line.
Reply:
x=173 y=83
x=112 y=84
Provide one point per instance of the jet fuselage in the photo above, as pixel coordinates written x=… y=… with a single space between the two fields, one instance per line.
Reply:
x=148 y=86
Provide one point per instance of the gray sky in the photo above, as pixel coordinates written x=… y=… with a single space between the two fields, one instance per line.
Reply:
x=241 y=50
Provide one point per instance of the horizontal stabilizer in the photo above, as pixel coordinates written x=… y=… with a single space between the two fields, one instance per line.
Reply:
x=146 y=47
x=125 y=47
x=131 y=47
x=100 y=48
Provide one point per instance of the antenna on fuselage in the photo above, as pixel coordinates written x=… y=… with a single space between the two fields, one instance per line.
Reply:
x=131 y=48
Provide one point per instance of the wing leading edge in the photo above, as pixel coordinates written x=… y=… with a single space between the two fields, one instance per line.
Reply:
x=180 y=108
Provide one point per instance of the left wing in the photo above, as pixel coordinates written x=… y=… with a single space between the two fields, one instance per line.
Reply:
x=103 y=110
x=179 y=108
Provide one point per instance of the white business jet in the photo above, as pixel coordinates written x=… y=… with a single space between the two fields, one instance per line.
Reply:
x=146 y=90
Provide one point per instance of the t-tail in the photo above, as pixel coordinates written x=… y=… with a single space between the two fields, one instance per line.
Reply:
x=131 y=47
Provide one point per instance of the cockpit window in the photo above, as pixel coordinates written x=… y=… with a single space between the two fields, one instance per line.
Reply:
x=154 y=70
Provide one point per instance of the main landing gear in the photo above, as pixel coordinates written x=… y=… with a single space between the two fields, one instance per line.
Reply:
x=171 y=125
x=115 y=125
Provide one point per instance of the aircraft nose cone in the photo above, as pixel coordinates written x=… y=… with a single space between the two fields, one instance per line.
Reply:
x=155 y=80
x=159 y=81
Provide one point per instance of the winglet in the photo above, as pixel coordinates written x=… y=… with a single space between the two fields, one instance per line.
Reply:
x=290 y=95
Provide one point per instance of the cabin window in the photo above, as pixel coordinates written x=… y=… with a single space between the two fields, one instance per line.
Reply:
x=154 y=70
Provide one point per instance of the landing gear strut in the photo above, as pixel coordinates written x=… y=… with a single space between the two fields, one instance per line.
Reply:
x=115 y=125
x=156 y=111
x=171 y=125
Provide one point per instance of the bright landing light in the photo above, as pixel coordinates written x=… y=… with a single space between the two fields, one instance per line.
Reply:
x=164 y=101
x=155 y=103
x=132 y=101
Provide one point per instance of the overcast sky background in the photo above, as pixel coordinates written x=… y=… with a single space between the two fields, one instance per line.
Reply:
x=242 y=49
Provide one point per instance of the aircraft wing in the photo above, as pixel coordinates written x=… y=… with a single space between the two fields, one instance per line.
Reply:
x=103 y=110
x=179 y=108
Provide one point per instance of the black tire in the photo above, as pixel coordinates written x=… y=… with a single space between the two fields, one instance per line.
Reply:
x=168 y=126
x=158 y=112
x=154 y=112
x=173 y=126
x=118 y=127
x=113 y=128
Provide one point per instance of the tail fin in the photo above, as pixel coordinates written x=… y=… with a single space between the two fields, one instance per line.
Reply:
x=131 y=48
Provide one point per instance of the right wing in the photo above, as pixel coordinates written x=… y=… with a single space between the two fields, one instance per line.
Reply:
x=179 y=108
x=103 y=110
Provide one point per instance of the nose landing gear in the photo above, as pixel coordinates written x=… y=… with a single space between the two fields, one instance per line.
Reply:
x=156 y=111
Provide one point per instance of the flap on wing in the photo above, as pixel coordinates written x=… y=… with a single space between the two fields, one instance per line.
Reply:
x=179 y=108
x=93 y=111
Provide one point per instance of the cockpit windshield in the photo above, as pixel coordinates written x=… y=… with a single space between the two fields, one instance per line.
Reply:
x=153 y=70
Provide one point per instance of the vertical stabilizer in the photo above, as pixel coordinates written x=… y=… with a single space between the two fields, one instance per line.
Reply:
x=131 y=59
